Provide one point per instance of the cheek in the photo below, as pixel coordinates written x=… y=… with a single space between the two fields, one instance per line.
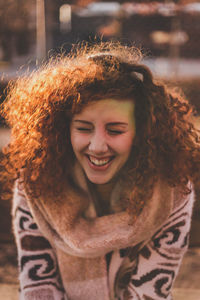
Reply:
x=124 y=145
x=78 y=141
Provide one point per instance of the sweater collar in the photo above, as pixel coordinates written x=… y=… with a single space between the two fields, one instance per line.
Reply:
x=71 y=220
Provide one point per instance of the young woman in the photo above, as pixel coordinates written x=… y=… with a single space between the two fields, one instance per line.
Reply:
x=105 y=159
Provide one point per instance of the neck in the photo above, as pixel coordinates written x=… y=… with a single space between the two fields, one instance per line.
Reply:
x=105 y=190
x=103 y=195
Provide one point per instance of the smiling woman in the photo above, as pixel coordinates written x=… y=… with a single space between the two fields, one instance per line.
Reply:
x=104 y=159
x=102 y=136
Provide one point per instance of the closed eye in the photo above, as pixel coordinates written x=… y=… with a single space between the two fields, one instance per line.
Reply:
x=115 y=132
x=84 y=129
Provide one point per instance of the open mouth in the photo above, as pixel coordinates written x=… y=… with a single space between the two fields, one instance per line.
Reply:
x=99 y=162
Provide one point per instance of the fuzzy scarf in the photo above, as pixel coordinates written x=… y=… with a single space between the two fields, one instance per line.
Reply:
x=81 y=239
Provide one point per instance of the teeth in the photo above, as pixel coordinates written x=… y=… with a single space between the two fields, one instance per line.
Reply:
x=99 y=162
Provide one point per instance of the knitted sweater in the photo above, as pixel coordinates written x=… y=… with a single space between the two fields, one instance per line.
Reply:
x=142 y=271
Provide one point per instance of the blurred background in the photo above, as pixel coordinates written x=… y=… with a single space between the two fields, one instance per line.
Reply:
x=168 y=32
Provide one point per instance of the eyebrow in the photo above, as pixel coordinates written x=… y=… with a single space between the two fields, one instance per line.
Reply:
x=109 y=124
x=117 y=123
x=82 y=121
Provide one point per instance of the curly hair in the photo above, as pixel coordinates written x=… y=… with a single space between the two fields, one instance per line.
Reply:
x=39 y=108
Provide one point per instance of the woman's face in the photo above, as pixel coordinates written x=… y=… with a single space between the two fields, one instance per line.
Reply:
x=102 y=135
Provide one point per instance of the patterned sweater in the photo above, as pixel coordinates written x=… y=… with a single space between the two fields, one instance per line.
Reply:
x=142 y=272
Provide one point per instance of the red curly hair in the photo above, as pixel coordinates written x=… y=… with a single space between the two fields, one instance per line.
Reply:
x=39 y=108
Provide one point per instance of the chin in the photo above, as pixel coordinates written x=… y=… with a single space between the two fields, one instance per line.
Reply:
x=97 y=180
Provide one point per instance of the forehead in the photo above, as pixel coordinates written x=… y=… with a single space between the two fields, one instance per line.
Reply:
x=108 y=107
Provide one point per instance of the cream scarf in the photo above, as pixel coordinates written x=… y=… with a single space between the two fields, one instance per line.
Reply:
x=81 y=247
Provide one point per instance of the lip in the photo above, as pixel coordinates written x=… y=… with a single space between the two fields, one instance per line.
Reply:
x=100 y=168
x=100 y=157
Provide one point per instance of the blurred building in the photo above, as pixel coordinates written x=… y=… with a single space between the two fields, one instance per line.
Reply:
x=32 y=31
x=155 y=26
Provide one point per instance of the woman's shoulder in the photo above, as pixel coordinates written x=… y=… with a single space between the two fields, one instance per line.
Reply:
x=181 y=199
x=19 y=198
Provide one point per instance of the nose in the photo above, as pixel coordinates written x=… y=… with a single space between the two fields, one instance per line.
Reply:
x=98 y=143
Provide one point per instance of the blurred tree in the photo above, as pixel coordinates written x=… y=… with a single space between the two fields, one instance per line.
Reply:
x=13 y=27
